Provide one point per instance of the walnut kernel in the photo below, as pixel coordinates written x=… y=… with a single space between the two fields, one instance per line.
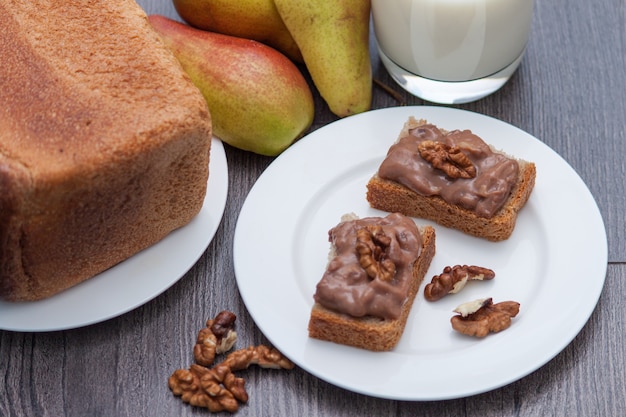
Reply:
x=217 y=388
x=372 y=247
x=217 y=337
x=260 y=355
x=453 y=280
x=449 y=159
x=481 y=317
x=201 y=387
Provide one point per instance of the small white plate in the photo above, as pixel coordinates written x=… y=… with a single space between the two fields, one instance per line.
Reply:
x=135 y=281
x=554 y=264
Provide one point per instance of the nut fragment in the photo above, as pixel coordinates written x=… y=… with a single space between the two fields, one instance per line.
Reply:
x=449 y=159
x=260 y=355
x=479 y=318
x=217 y=337
x=372 y=247
x=453 y=279
x=217 y=388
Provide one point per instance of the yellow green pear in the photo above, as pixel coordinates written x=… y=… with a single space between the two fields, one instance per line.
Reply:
x=333 y=37
x=258 y=99
x=251 y=19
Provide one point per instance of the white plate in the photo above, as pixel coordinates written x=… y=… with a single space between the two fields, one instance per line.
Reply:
x=554 y=264
x=135 y=281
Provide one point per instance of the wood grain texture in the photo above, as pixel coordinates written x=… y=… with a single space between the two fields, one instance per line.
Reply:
x=569 y=92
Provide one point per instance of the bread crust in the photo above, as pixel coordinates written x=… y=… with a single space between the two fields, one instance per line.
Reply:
x=393 y=197
x=373 y=333
x=104 y=142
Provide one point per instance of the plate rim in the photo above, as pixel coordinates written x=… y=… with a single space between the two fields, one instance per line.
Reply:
x=414 y=110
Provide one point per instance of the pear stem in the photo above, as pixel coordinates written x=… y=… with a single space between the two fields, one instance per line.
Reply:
x=390 y=91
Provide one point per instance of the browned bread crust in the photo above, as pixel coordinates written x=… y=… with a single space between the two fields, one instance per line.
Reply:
x=396 y=198
x=370 y=332
x=104 y=142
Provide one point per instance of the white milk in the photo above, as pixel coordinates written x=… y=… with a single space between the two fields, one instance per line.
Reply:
x=452 y=40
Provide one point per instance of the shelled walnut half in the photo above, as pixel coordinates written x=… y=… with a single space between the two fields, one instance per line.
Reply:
x=216 y=389
x=372 y=245
x=449 y=159
x=481 y=317
x=217 y=337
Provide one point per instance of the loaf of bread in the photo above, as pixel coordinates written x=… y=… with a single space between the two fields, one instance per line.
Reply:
x=366 y=305
x=472 y=213
x=104 y=142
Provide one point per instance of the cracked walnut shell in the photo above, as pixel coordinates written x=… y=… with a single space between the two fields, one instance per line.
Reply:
x=480 y=317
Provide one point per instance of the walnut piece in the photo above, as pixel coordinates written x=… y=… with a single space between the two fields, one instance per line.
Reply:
x=481 y=317
x=217 y=337
x=449 y=159
x=453 y=280
x=372 y=247
x=260 y=355
x=217 y=388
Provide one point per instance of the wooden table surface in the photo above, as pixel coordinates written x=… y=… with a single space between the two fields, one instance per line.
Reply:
x=570 y=92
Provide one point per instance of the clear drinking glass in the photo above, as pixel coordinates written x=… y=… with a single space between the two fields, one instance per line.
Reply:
x=451 y=51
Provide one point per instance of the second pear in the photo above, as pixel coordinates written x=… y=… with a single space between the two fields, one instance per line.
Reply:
x=333 y=37
x=251 y=19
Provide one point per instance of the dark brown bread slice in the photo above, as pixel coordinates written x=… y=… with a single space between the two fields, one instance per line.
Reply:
x=396 y=198
x=373 y=333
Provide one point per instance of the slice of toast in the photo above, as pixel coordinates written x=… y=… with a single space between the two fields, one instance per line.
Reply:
x=393 y=197
x=370 y=332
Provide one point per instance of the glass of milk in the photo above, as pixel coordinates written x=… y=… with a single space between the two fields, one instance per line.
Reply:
x=451 y=51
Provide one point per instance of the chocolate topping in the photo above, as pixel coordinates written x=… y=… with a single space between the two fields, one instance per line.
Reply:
x=347 y=288
x=485 y=194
